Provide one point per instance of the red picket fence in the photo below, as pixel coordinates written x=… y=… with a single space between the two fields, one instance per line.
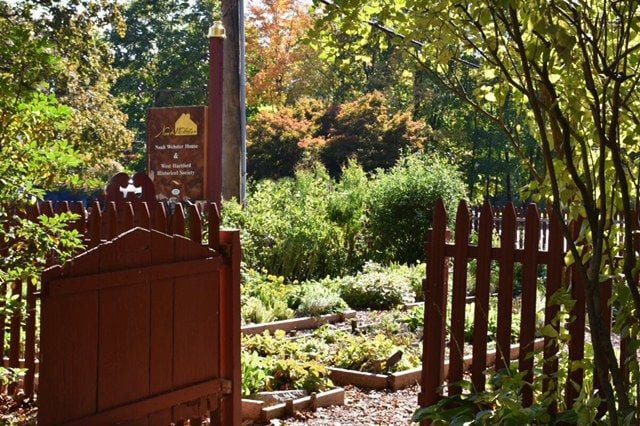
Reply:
x=98 y=224
x=498 y=212
x=530 y=254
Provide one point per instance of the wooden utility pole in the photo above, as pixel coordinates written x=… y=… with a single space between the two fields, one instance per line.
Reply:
x=232 y=147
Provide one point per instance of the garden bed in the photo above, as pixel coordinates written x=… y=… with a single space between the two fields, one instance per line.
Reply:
x=304 y=323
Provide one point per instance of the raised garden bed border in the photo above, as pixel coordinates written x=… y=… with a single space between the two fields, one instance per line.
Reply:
x=297 y=323
x=406 y=378
x=256 y=411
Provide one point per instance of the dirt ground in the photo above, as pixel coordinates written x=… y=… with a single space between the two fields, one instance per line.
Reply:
x=362 y=407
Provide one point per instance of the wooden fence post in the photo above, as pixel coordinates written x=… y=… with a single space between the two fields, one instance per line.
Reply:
x=230 y=368
x=554 y=283
x=435 y=311
x=481 y=311
x=576 y=328
x=528 y=311
x=505 y=287
x=458 y=298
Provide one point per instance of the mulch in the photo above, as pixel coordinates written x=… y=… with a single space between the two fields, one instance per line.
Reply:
x=362 y=407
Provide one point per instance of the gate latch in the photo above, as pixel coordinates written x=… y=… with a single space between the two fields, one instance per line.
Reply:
x=226 y=386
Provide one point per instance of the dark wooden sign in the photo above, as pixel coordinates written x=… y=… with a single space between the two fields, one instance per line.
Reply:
x=176 y=147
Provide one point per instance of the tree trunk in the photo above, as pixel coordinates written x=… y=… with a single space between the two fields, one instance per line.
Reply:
x=232 y=121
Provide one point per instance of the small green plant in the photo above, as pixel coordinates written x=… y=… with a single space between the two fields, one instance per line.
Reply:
x=364 y=353
x=502 y=404
x=255 y=373
x=376 y=288
x=275 y=363
x=308 y=375
x=314 y=299
x=264 y=297
x=414 y=318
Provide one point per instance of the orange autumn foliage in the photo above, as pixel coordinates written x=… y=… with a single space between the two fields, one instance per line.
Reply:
x=276 y=57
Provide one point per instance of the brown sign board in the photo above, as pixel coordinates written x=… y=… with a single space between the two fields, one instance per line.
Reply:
x=176 y=148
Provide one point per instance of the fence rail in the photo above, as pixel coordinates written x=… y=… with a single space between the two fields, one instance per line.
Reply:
x=529 y=238
x=98 y=223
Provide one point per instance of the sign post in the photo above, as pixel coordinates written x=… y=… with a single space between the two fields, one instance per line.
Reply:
x=214 y=153
x=184 y=144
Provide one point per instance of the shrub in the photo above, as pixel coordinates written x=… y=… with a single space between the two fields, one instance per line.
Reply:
x=368 y=130
x=286 y=228
x=401 y=204
x=346 y=207
x=376 y=289
x=413 y=274
x=274 y=143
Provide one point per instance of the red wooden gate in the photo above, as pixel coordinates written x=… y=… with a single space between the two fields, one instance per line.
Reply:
x=142 y=330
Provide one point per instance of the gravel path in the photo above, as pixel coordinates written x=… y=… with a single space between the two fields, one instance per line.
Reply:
x=362 y=407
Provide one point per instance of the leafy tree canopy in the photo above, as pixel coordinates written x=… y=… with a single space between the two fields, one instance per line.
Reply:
x=72 y=33
x=34 y=154
x=569 y=72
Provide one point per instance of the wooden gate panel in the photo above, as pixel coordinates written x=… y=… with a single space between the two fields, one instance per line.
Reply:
x=78 y=350
x=123 y=371
x=123 y=368
x=161 y=344
x=144 y=340
x=195 y=340
x=76 y=356
x=161 y=334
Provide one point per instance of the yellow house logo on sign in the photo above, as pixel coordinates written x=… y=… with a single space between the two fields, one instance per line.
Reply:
x=184 y=126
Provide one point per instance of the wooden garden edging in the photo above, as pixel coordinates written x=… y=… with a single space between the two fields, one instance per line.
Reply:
x=404 y=379
x=297 y=323
x=255 y=410
x=440 y=252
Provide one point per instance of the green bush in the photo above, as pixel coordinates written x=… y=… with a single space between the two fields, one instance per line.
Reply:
x=346 y=207
x=401 y=203
x=377 y=289
x=310 y=226
x=287 y=230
